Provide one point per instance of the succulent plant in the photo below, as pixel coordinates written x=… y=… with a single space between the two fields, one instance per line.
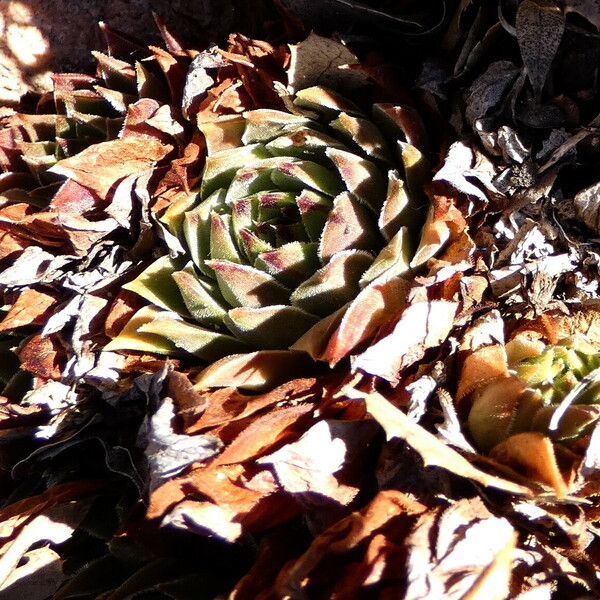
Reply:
x=542 y=380
x=299 y=217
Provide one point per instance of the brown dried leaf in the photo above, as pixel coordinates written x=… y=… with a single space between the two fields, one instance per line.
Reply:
x=307 y=467
x=422 y=325
x=433 y=451
x=239 y=501
x=228 y=405
x=463 y=552
x=587 y=205
x=42 y=356
x=540 y=26
x=330 y=559
x=322 y=61
x=264 y=433
x=101 y=166
x=32 y=307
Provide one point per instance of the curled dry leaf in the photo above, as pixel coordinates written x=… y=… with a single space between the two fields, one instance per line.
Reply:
x=325 y=462
x=465 y=539
x=374 y=536
x=101 y=166
x=237 y=501
x=421 y=326
x=433 y=451
x=540 y=25
x=322 y=61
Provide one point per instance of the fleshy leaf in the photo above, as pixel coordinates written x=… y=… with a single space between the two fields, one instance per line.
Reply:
x=270 y=327
x=350 y=225
x=156 y=285
x=334 y=284
x=361 y=177
x=242 y=285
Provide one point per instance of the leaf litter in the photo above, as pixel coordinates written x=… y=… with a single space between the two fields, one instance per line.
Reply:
x=356 y=464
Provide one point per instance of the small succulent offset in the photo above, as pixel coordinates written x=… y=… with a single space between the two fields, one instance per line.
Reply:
x=543 y=380
x=298 y=217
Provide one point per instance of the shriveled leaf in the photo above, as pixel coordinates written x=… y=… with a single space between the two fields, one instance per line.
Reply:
x=320 y=60
x=540 y=26
x=432 y=451
x=264 y=433
x=422 y=325
x=101 y=166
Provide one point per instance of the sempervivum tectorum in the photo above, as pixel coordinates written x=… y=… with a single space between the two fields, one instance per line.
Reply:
x=543 y=379
x=299 y=237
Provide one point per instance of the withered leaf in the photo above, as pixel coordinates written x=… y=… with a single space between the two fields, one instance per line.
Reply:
x=264 y=433
x=433 y=451
x=30 y=308
x=587 y=205
x=227 y=405
x=330 y=557
x=100 y=166
x=309 y=465
x=319 y=60
x=540 y=26
x=470 y=556
x=422 y=325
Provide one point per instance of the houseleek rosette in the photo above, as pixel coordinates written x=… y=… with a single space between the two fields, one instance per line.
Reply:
x=553 y=389
x=299 y=220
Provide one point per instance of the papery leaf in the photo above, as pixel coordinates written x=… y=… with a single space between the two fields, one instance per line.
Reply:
x=464 y=552
x=255 y=371
x=366 y=313
x=339 y=545
x=308 y=466
x=422 y=325
x=101 y=166
x=318 y=60
x=228 y=405
x=540 y=26
x=234 y=505
x=265 y=433
x=433 y=451
x=32 y=307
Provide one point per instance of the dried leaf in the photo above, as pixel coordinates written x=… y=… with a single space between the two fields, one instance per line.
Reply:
x=308 y=466
x=101 y=166
x=540 y=26
x=318 y=60
x=587 y=205
x=331 y=556
x=264 y=433
x=32 y=307
x=422 y=325
x=432 y=451
x=470 y=556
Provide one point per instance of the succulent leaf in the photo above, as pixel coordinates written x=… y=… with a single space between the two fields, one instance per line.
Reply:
x=542 y=379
